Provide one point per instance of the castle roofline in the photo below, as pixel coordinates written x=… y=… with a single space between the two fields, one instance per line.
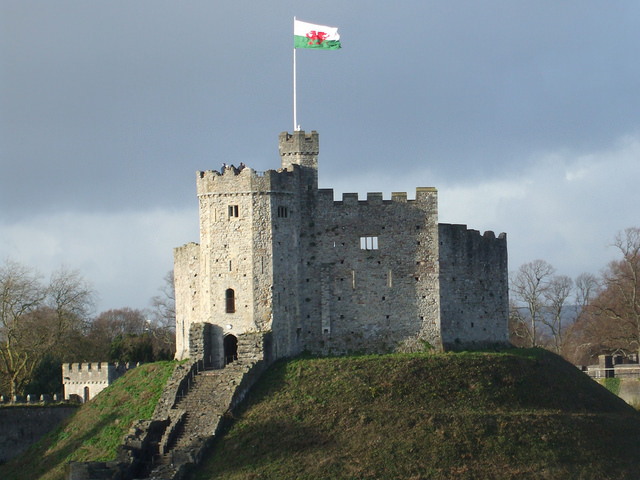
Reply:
x=376 y=198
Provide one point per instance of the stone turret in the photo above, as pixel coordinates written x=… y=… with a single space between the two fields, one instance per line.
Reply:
x=301 y=148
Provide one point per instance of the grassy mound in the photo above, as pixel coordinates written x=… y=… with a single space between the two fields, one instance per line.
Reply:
x=94 y=432
x=523 y=414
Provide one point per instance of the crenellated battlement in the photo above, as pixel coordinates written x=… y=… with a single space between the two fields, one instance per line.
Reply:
x=299 y=143
x=92 y=367
x=461 y=230
x=247 y=180
x=300 y=148
x=423 y=195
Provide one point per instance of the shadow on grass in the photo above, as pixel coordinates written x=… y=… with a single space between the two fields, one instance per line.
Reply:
x=270 y=444
x=523 y=416
x=51 y=459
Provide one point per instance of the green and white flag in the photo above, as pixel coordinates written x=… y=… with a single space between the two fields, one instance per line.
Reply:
x=309 y=35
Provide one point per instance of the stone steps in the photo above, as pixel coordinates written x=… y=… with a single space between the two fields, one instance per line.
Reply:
x=207 y=401
x=188 y=415
x=209 y=397
x=179 y=434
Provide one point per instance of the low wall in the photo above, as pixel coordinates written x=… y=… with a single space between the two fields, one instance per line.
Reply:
x=23 y=426
x=630 y=390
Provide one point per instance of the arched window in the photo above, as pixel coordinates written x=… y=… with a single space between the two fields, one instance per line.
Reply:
x=231 y=300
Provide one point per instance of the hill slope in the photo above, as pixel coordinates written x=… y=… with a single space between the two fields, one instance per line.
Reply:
x=525 y=414
x=94 y=432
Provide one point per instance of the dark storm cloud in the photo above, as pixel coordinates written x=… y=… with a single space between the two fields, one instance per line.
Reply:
x=109 y=108
x=105 y=104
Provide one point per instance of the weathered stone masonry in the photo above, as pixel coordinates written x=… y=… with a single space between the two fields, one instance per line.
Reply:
x=279 y=255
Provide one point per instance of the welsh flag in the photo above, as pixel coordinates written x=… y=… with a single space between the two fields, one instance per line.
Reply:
x=309 y=35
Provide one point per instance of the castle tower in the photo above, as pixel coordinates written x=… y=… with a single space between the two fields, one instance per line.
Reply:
x=244 y=274
x=300 y=148
x=299 y=153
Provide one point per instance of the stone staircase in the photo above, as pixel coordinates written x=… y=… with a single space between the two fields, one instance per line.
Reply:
x=198 y=418
x=190 y=412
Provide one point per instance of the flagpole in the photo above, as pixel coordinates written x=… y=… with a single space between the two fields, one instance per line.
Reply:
x=295 y=113
x=295 y=118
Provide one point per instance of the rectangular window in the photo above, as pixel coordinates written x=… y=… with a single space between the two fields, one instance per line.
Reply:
x=233 y=211
x=368 y=243
x=283 y=212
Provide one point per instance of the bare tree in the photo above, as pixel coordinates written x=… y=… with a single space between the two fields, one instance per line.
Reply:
x=529 y=286
x=163 y=314
x=557 y=291
x=582 y=341
x=119 y=321
x=37 y=320
x=163 y=306
x=619 y=301
x=519 y=331
x=71 y=300
x=587 y=288
x=21 y=293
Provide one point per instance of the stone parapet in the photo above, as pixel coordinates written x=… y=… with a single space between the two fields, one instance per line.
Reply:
x=43 y=399
x=176 y=387
x=247 y=182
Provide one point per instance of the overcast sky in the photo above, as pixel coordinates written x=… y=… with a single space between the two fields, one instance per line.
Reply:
x=525 y=115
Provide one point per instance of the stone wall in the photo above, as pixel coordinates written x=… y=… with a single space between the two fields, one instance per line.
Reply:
x=473 y=288
x=376 y=277
x=206 y=345
x=200 y=348
x=630 y=391
x=187 y=288
x=23 y=426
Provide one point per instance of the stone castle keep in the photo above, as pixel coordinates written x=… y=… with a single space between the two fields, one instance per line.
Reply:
x=279 y=256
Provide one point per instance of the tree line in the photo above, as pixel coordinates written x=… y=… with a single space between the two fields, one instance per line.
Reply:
x=584 y=317
x=45 y=324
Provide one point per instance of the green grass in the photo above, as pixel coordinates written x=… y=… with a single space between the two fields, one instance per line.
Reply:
x=522 y=414
x=613 y=385
x=95 y=431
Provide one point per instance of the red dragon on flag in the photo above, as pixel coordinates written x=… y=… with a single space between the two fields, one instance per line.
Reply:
x=316 y=37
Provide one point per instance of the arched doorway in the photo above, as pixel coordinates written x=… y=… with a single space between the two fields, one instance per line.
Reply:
x=230 y=349
x=86 y=394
